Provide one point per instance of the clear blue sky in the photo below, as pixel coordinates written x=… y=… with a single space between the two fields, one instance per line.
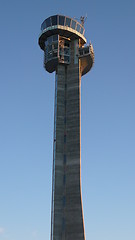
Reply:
x=107 y=123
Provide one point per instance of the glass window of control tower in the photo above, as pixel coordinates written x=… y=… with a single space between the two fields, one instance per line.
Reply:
x=54 y=20
x=55 y=46
x=68 y=21
x=81 y=30
x=49 y=40
x=61 y=20
x=48 y=22
x=55 y=38
x=78 y=28
x=43 y=26
x=73 y=24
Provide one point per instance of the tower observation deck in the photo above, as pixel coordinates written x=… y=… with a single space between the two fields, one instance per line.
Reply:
x=65 y=52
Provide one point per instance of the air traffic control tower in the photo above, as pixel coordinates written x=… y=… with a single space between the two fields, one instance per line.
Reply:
x=63 y=42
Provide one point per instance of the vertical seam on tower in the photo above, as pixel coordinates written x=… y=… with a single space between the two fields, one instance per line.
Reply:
x=64 y=157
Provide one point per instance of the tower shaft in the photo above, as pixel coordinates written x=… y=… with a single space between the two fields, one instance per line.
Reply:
x=67 y=214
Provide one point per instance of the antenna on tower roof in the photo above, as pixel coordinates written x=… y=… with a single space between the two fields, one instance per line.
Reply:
x=83 y=19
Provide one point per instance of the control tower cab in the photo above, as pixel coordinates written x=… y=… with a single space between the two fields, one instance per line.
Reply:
x=57 y=33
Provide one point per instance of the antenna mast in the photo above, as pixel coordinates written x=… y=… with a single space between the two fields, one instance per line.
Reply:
x=83 y=19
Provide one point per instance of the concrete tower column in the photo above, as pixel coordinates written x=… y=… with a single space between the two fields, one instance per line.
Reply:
x=65 y=53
